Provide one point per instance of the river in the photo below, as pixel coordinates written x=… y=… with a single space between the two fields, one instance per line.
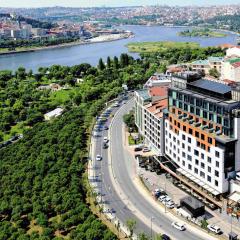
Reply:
x=92 y=52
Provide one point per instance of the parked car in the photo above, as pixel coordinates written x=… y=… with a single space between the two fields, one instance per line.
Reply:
x=214 y=228
x=178 y=226
x=146 y=149
x=105 y=140
x=170 y=204
x=137 y=149
x=98 y=157
x=165 y=237
x=106 y=127
x=162 y=198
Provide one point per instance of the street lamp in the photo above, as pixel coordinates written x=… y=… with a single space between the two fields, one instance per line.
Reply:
x=152 y=218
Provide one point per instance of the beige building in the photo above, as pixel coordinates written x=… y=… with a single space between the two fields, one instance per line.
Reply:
x=205 y=65
x=231 y=69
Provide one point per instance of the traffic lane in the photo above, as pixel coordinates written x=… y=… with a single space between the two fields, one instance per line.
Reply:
x=123 y=168
x=111 y=198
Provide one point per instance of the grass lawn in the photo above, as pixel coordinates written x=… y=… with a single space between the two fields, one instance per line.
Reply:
x=131 y=140
x=143 y=47
x=62 y=96
x=17 y=129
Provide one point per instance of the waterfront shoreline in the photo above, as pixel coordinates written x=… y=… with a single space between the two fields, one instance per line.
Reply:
x=108 y=38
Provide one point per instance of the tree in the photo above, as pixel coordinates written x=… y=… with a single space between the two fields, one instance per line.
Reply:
x=115 y=62
x=131 y=225
x=142 y=236
x=108 y=62
x=214 y=73
x=21 y=73
x=129 y=120
x=101 y=64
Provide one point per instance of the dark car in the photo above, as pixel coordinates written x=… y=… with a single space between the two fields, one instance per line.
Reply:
x=137 y=149
x=165 y=237
x=106 y=128
x=105 y=146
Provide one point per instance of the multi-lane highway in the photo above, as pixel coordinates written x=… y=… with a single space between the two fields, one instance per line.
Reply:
x=115 y=177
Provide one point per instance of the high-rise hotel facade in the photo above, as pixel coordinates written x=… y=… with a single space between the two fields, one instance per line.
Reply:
x=202 y=132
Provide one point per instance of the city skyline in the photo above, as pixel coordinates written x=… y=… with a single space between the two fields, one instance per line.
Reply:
x=100 y=3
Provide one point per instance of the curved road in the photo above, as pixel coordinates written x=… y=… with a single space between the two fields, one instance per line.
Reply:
x=115 y=177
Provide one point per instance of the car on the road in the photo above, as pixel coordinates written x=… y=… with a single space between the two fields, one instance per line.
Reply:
x=146 y=149
x=106 y=127
x=178 y=226
x=165 y=237
x=105 y=145
x=98 y=157
x=105 y=140
x=214 y=228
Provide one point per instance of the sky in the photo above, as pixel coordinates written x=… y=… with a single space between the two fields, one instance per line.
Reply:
x=108 y=3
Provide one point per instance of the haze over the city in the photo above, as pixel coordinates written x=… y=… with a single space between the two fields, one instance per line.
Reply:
x=110 y=3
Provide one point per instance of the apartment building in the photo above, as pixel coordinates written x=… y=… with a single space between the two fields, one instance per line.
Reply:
x=202 y=131
x=150 y=106
x=231 y=69
x=204 y=66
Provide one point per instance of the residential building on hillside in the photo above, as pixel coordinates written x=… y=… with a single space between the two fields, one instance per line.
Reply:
x=204 y=66
x=202 y=132
x=53 y=114
x=231 y=69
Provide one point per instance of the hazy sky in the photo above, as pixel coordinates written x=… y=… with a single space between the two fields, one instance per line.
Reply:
x=90 y=3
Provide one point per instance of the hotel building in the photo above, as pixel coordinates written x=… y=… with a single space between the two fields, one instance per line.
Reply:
x=202 y=132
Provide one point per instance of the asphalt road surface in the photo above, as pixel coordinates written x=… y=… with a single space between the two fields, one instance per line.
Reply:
x=121 y=164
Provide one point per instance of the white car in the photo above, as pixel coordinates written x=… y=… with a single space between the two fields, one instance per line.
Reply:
x=214 y=228
x=98 y=157
x=162 y=198
x=105 y=140
x=170 y=204
x=146 y=149
x=178 y=226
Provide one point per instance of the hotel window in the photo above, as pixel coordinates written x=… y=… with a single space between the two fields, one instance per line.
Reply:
x=196 y=153
x=226 y=122
x=183 y=163
x=202 y=136
x=219 y=110
x=209 y=169
x=217 y=154
x=191 y=109
x=210 y=116
x=216 y=183
x=184 y=154
x=183 y=137
x=190 y=131
x=183 y=145
x=196 y=162
x=189 y=158
x=202 y=156
x=205 y=105
x=198 y=112
x=197 y=134
x=219 y=120
x=209 y=178
x=184 y=128
x=198 y=144
x=204 y=114
x=202 y=165
x=189 y=140
x=189 y=148
x=209 y=140
x=202 y=174
x=209 y=160
x=216 y=173
x=185 y=107
x=178 y=125
x=174 y=139
x=180 y=104
x=196 y=170
x=217 y=164
x=189 y=167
